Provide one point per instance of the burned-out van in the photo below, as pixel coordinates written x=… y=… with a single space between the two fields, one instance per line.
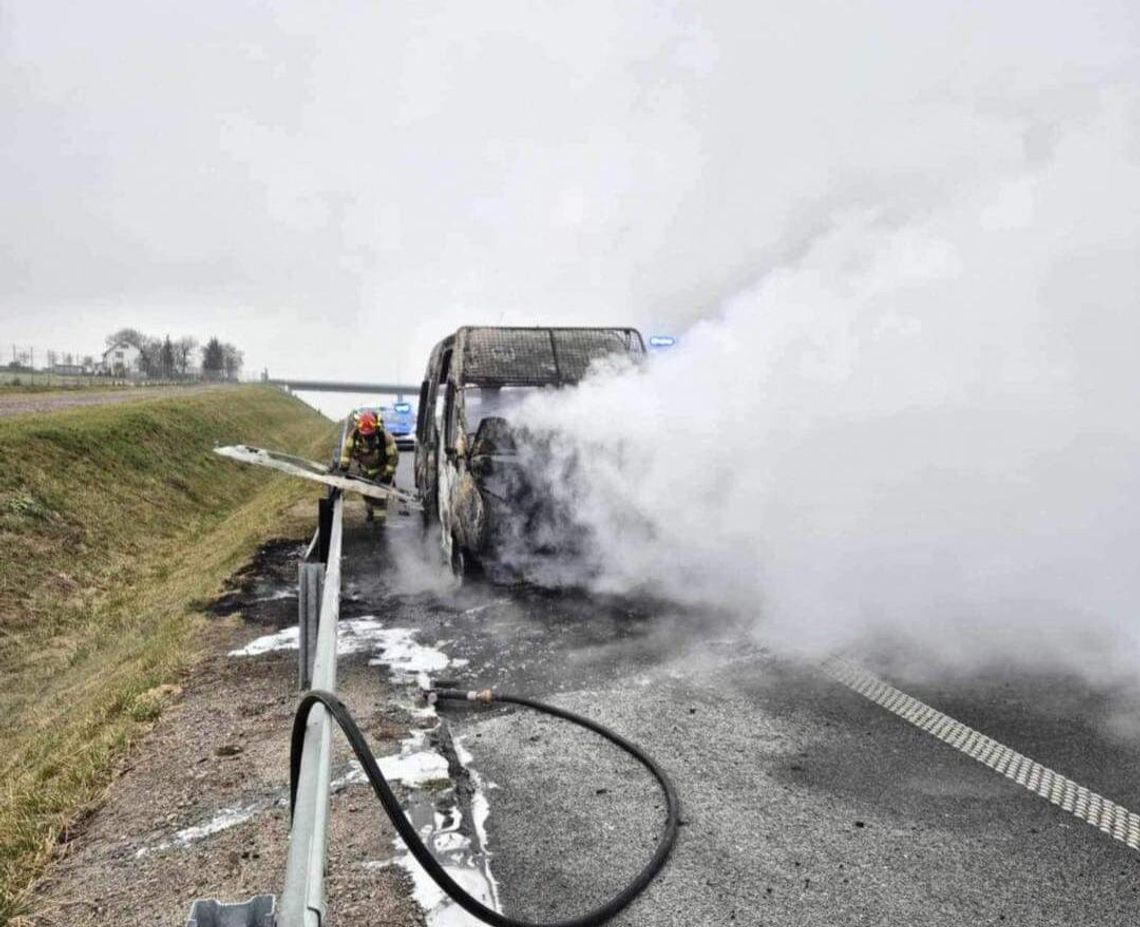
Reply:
x=467 y=452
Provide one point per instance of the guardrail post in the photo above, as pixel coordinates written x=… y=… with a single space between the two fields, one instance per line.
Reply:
x=310 y=582
x=324 y=526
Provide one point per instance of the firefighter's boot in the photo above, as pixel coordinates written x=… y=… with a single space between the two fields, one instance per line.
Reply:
x=379 y=511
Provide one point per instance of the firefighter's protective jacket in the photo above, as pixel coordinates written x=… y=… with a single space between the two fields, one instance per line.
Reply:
x=377 y=454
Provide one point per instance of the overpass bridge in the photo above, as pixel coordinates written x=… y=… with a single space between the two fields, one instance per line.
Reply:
x=339 y=386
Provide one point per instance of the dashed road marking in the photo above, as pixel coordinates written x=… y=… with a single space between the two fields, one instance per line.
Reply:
x=1113 y=819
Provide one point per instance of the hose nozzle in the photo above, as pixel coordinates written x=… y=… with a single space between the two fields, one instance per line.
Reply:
x=460 y=695
x=430 y=689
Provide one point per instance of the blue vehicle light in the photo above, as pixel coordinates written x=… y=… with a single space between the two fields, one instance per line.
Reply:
x=662 y=341
x=403 y=407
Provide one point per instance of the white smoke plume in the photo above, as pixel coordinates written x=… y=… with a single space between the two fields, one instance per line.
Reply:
x=921 y=424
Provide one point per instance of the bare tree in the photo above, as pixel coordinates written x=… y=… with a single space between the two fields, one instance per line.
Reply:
x=131 y=336
x=232 y=360
x=150 y=358
x=166 y=357
x=184 y=349
x=213 y=359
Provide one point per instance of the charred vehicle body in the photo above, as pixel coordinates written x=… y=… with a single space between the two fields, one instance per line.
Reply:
x=470 y=456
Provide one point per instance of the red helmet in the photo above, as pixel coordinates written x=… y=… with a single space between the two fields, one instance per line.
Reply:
x=367 y=424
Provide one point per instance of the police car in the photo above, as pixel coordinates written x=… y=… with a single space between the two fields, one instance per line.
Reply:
x=400 y=421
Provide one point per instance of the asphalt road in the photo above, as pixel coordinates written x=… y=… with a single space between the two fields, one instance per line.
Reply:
x=803 y=803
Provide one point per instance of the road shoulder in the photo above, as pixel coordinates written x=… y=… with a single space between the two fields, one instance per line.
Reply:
x=199 y=808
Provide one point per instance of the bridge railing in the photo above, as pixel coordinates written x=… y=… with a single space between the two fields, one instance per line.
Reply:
x=345 y=386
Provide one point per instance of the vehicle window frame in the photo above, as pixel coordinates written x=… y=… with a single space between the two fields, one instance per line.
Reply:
x=439 y=376
x=422 y=414
x=450 y=414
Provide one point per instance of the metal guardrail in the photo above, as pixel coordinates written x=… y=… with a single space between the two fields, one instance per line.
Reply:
x=303 y=897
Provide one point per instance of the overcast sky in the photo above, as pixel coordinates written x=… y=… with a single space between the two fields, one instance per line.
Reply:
x=335 y=186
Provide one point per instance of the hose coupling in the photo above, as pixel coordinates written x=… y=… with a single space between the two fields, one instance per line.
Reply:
x=439 y=693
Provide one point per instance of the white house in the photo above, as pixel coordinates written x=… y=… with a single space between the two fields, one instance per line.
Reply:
x=121 y=360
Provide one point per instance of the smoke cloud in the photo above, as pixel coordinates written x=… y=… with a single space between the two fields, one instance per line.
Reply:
x=898 y=241
x=922 y=425
x=333 y=188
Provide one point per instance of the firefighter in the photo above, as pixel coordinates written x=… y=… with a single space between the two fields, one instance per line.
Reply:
x=376 y=454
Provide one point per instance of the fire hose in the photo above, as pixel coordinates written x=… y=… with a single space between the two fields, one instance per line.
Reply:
x=416 y=845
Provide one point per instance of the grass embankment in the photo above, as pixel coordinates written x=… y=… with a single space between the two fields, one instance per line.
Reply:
x=116 y=523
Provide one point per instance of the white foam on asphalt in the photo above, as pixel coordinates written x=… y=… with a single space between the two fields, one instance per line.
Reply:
x=480 y=811
x=396 y=648
x=439 y=910
x=404 y=656
x=415 y=766
x=285 y=639
x=464 y=859
x=411 y=767
x=223 y=819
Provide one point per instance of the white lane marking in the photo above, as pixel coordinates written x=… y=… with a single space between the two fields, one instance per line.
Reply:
x=1113 y=819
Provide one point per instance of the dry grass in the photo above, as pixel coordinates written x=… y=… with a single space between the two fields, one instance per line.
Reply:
x=114 y=524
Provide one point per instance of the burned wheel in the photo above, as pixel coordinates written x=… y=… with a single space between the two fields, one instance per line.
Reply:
x=463 y=564
x=458 y=560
